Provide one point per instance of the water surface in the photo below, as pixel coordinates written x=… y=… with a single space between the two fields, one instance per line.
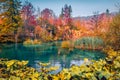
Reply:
x=48 y=52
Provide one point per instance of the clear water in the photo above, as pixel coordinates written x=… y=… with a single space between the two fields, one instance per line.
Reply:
x=48 y=52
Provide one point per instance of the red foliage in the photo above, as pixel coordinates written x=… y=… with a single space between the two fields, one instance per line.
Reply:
x=32 y=21
x=46 y=14
x=58 y=22
x=66 y=14
x=37 y=29
x=1 y=21
x=28 y=14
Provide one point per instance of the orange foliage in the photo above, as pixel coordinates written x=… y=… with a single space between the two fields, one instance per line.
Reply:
x=77 y=23
x=106 y=20
x=51 y=20
x=37 y=29
x=1 y=21
x=58 y=22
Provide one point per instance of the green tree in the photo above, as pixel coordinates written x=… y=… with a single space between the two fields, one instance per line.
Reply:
x=10 y=15
x=66 y=14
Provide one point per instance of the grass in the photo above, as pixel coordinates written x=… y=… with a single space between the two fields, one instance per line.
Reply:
x=89 y=43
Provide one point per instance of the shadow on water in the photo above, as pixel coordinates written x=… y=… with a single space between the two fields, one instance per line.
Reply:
x=48 y=52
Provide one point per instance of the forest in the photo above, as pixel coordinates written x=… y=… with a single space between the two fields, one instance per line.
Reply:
x=21 y=22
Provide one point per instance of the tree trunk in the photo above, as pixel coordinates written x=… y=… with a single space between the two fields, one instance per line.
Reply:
x=16 y=38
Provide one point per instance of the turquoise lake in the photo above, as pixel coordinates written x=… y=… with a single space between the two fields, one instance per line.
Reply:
x=48 y=52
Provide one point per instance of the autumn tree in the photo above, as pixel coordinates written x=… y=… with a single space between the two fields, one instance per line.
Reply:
x=38 y=12
x=28 y=18
x=107 y=18
x=47 y=20
x=95 y=22
x=37 y=32
x=46 y=16
x=10 y=15
x=66 y=14
x=47 y=13
x=114 y=33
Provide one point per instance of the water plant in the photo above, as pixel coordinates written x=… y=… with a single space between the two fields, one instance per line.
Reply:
x=31 y=42
x=89 y=43
x=67 y=44
x=107 y=69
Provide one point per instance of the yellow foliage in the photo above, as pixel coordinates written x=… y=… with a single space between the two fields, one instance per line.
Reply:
x=13 y=78
x=31 y=42
x=28 y=41
x=35 y=75
x=66 y=44
x=55 y=78
x=24 y=62
x=54 y=68
x=111 y=53
x=10 y=63
x=86 y=60
x=36 y=41
x=102 y=69
x=44 y=64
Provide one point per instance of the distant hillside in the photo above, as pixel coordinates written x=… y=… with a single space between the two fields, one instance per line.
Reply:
x=89 y=17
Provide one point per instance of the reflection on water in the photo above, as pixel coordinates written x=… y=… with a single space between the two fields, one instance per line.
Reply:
x=48 y=52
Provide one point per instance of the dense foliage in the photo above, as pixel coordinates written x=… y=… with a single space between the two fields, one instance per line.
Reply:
x=108 y=69
x=25 y=22
x=11 y=20
x=21 y=22
x=114 y=33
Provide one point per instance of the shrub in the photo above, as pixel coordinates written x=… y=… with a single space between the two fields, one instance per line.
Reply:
x=89 y=43
x=67 y=44
x=112 y=37
x=28 y=42
x=31 y=42
x=36 y=41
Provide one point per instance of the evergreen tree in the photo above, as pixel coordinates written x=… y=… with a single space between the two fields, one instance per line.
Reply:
x=66 y=14
x=10 y=16
x=107 y=12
